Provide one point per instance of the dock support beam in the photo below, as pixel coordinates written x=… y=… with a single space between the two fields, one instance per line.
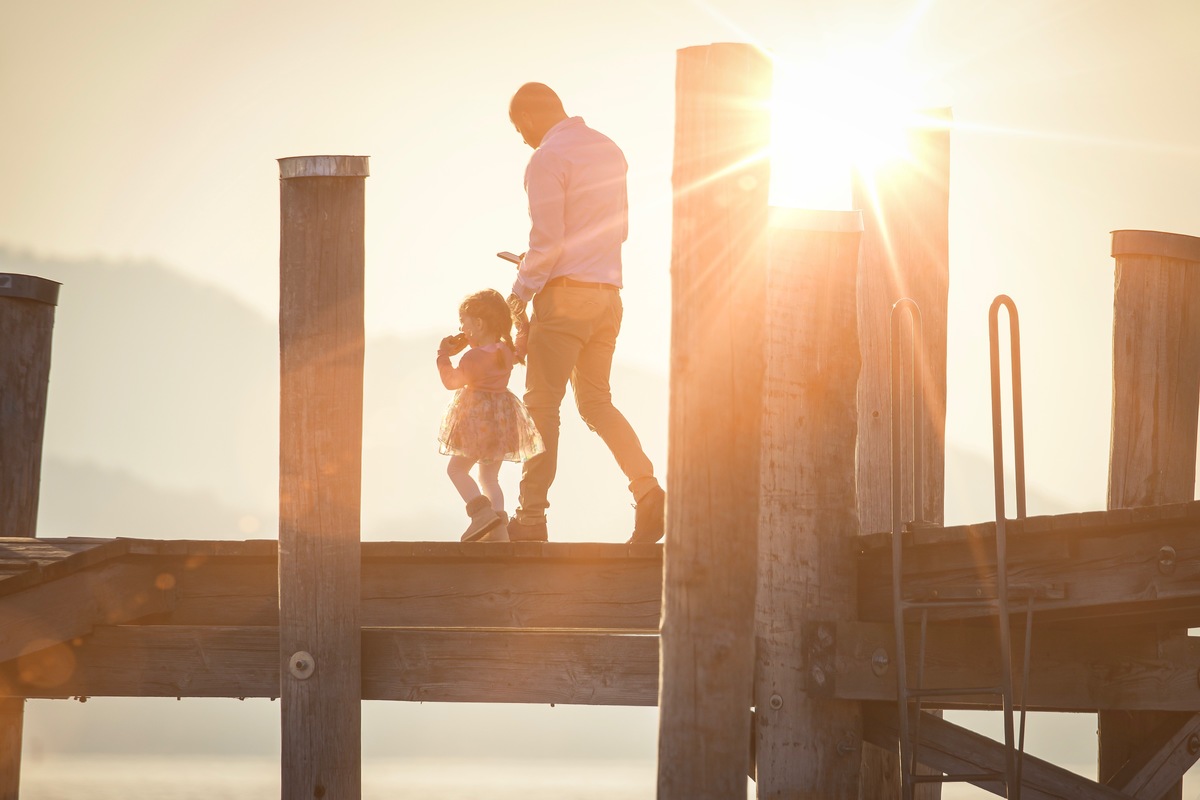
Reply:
x=807 y=743
x=12 y=718
x=320 y=474
x=718 y=272
x=1156 y=397
x=905 y=252
x=26 y=325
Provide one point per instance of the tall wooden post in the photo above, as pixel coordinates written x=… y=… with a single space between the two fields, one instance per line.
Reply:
x=12 y=717
x=26 y=326
x=320 y=473
x=1156 y=397
x=808 y=744
x=905 y=253
x=718 y=281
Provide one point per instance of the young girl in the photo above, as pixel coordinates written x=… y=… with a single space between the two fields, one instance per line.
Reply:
x=485 y=423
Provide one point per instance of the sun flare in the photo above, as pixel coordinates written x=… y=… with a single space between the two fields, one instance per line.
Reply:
x=835 y=117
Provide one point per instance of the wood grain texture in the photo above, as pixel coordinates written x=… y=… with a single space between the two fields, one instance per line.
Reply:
x=1160 y=760
x=807 y=743
x=905 y=253
x=718 y=277
x=1075 y=669
x=26 y=328
x=12 y=716
x=1137 y=570
x=320 y=480
x=1156 y=397
x=61 y=610
x=578 y=667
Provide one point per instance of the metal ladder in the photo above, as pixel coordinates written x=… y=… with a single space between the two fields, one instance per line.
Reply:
x=909 y=697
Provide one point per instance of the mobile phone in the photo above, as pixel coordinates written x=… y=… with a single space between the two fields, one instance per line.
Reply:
x=507 y=256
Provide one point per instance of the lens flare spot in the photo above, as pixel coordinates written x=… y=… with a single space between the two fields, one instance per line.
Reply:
x=45 y=664
x=164 y=581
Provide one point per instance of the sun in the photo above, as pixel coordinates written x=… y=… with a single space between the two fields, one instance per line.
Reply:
x=835 y=116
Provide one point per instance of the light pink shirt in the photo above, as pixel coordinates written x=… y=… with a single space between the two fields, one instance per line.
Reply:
x=578 y=209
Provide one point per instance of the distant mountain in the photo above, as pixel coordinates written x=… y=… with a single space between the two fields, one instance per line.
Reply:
x=106 y=502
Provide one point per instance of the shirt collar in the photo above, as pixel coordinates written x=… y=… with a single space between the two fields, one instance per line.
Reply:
x=560 y=126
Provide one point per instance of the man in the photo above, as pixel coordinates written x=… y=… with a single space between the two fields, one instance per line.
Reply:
x=579 y=218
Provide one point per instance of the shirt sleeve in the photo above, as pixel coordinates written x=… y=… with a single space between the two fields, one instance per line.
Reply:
x=546 y=186
x=469 y=370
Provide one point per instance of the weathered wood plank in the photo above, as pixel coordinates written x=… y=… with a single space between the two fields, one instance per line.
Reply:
x=521 y=592
x=503 y=667
x=1082 y=670
x=1140 y=572
x=807 y=517
x=398 y=664
x=721 y=178
x=952 y=749
x=1159 y=762
x=35 y=561
x=58 y=611
x=321 y=296
x=12 y=715
x=455 y=592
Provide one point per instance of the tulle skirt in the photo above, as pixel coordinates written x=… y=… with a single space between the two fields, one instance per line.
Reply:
x=488 y=426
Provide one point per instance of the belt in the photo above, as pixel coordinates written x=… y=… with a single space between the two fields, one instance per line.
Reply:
x=571 y=283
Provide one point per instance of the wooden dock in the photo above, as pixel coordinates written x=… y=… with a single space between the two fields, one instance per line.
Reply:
x=578 y=623
x=442 y=621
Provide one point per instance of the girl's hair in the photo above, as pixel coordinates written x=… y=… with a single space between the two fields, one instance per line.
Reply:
x=490 y=306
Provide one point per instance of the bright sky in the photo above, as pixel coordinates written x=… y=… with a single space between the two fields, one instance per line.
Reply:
x=150 y=130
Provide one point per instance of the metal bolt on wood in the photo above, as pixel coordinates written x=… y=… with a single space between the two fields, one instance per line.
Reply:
x=1166 y=560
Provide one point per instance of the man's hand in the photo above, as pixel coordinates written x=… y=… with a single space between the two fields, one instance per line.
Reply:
x=521 y=343
x=517 y=306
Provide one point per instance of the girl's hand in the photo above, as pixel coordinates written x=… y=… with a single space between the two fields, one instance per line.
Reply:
x=451 y=345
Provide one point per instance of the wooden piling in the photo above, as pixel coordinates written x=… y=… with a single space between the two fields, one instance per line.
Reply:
x=1156 y=398
x=807 y=743
x=320 y=473
x=26 y=324
x=905 y=252
x=718 y=269
x=12 y=716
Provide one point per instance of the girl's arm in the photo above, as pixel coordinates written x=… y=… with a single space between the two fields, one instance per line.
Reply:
x=462 y=375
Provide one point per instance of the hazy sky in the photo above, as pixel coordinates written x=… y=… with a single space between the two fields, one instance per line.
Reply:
x=150 y=130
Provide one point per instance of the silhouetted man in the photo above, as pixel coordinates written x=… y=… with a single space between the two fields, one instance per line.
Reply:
x=579 y=216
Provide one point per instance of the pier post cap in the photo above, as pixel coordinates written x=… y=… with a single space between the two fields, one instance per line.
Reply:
x=1156 y=243
x=806 y=219
x=323 y=167
x=29 y=287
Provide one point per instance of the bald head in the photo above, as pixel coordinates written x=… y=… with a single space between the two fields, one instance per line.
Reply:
x=535 y=109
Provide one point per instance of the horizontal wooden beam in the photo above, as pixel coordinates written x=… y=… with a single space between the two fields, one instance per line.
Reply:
x=60 y=610
x=472 y=585
x=1082 y=670
x=953 y=749
x=1132 y=573
x=503 y=666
